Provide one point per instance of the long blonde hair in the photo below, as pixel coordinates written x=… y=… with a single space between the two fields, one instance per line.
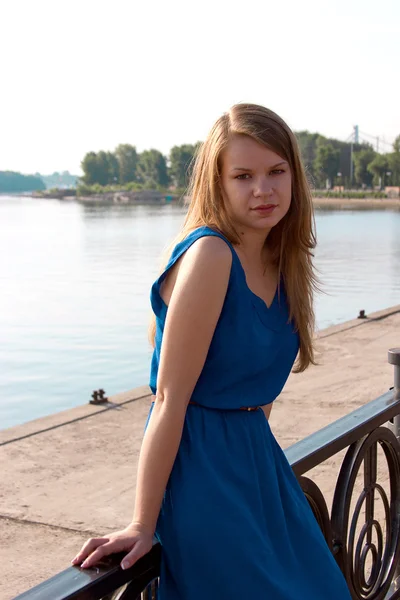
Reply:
x=291 y=241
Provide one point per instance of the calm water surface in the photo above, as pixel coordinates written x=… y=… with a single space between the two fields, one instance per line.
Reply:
x=75 y=281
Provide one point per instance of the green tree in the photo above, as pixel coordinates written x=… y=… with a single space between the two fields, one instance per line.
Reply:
x=181 y=163
x=326 y=163
x=361 y=161
x=379 y=167
x=12 y=182
x=127 y=158
x=152 y=169
x=101 y=168
x=394 y=163
x=308 y=148
x=394 y=168
x=309 y=144
x=108 y=168
x=90 y=168
x=112 y=167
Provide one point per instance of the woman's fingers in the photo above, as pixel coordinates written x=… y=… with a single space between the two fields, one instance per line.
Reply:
x=88 y=548
x=138 y=550
x=101 y=551
x=96 y=548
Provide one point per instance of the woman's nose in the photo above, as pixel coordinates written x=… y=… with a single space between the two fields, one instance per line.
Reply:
x=263 y=187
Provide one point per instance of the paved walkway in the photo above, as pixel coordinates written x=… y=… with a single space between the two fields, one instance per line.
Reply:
x=72 y=475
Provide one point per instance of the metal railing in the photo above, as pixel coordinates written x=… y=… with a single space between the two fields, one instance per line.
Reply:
x=368 y=554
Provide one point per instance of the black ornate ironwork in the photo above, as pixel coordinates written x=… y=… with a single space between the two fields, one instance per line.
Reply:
x=385 y=552
x=318 y=505
x=352 y=552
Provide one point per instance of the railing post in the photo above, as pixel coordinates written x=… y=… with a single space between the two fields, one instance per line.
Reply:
x=394 y=359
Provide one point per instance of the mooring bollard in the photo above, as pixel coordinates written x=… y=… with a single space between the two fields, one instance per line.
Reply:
x=98 y=397
x=394 y=359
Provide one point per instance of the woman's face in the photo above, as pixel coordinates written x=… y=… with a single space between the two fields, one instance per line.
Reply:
x=256 y=184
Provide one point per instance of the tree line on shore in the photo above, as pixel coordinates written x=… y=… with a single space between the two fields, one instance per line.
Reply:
x=329 y=162
x=149 y=169
x=12 y=182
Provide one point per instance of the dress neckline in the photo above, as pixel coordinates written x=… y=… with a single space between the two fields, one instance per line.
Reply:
x=257 y=300
x=255 y=296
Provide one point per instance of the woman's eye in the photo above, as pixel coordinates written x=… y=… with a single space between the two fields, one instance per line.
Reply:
x=277 y=171
x=243 y=176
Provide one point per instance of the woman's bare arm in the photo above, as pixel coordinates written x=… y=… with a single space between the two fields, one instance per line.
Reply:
x=194 y=308
x=267 y=410
x=200 y=281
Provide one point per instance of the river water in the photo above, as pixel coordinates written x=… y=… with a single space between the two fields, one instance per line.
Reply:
x=75 y=281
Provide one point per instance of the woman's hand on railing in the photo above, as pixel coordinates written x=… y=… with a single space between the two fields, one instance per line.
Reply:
x=135 y=538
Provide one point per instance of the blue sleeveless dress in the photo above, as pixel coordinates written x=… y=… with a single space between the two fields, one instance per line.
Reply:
x=234 y=523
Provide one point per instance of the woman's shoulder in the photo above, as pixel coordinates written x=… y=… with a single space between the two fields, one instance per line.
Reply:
x=207 y=232
x=208 y=249
x=201 y=272
x=202 y=259
x=205 y=242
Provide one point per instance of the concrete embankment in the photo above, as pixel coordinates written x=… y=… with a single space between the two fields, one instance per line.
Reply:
x=357 y=203
x=72 y=475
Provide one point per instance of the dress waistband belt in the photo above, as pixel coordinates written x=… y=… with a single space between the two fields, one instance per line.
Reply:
x=248 y=408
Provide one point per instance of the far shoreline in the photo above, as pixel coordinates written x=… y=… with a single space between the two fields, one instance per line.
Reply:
x=155 y=198
x=318 y=202
x=357 y=203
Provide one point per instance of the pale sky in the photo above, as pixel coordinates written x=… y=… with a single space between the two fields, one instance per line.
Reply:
x=82 y=75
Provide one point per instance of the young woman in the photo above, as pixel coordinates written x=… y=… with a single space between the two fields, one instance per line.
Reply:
x=233 y=308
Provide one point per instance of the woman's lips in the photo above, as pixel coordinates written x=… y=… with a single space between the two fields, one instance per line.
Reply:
x=265 y=208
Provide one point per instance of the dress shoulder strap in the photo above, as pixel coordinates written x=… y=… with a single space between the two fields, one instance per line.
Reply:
x=156 y=300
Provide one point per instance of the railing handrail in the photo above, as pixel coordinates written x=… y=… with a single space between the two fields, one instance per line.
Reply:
x=84 y=584
x=328 y=441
